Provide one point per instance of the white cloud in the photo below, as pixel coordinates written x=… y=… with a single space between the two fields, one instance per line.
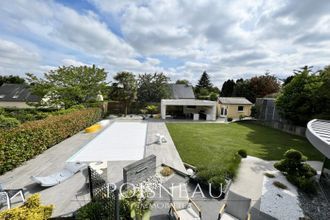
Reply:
x=229 y=39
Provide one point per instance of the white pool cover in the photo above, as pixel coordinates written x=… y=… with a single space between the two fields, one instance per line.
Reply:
x=118 y=142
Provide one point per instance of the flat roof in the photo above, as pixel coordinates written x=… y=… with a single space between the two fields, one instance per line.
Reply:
x=318 y=133
x=121 y=141
x=188 y=102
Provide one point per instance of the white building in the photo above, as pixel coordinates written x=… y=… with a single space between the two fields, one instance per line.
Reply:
x=183 y=105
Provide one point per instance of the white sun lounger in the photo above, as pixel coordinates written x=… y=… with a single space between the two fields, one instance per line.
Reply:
x=69 y=170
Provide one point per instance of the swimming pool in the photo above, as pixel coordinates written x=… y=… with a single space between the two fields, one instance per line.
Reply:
x=120 y=141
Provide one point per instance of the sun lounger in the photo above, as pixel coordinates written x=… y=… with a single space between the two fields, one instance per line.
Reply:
x=69 y=170
x=8 y=194
x=236 y=208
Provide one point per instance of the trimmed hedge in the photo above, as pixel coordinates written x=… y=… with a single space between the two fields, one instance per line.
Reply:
x=22 y=143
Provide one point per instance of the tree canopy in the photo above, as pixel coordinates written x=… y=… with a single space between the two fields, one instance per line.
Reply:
x=204 y=82
x=69 y=85
x=152 y=87
x=306 y=96
x=227 y=89
x=182 y=81
x=11 y=79
x=124 y=89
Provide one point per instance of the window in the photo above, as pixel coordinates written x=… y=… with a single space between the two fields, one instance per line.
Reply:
x=240 y=108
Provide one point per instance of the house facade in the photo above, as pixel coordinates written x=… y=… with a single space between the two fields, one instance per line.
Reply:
x=233 y=107
x=184 y=105
x=16 y=96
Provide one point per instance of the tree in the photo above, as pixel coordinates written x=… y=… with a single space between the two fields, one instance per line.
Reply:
x=69 y=85
x=227 y=89
x=243 y=89
x=204 y=82
x=301 y=99
x=11 y=79
x=182 y=81
x=124 y=89
x=152 y=87
x=263 y=85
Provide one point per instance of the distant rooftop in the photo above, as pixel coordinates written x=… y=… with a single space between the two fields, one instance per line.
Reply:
x=181 y=91
x=234 y=100
x=16 y=93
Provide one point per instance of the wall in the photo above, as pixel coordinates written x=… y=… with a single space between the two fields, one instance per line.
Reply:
x=232 y=110
x=268 y=115
x=139 y=171
x=15 y=105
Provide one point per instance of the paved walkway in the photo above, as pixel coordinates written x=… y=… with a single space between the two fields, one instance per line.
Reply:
x=250 y=176
x=67 y=196
x=166 y=153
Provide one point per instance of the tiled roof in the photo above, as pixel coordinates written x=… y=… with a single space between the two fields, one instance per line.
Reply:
x=234 y=100
x=181 y=91
x=16 y=93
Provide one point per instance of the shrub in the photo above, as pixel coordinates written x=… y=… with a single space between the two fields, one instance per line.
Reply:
x=93 y=210
x=241 y=117
x=6 y=122
x=152 y=109
x=166 y=171
x=279 y=185
x=22 y=143
x=229 y=119
x=32 y=209
x=213 y=96
x=269 y=175
x=242 y=153
x=296 y=171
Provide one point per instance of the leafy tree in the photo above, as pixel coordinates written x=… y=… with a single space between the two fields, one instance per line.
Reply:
x=287 y=80
x=152 y=87
x=204 y=82
x=301 y=99
x=69 y=85
x=182 y=81
x=11 y=79
x=124 y=89
x=243 y=89
x=227 y=89
x=263 y=85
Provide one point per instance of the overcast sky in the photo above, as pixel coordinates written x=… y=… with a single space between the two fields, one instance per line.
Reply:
x=228 y=39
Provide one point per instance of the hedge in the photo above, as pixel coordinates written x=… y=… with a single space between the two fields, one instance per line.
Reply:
x=22 y=143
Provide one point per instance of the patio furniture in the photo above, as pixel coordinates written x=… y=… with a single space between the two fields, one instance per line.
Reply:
x=160 y=139
x=236 y=207
x=181 y=206
x=8 y=194
x=69 y=170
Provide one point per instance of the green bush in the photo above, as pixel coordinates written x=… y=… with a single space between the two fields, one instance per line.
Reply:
x=241 y=117
x=242 y=153
x=6 y=122
x=269 y=175
x=279 y=185
x=31 y=210
x=229 y=119
x=94 y=210
x=297 y=172
x=22 y=143
x=213 y=96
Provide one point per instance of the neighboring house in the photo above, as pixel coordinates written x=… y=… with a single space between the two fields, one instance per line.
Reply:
x=234 y=107
x=183 y=105
x=16 y=96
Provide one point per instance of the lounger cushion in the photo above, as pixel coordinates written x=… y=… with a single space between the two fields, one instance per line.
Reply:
x=237 y=205
x=226 y=216
x=187 y=214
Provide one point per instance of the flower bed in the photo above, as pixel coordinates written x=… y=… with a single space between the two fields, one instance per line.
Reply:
x=22 y=143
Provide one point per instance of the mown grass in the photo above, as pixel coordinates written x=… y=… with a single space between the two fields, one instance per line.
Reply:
x=213 y=146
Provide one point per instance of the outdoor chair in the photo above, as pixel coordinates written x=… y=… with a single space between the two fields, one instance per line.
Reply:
x=69 y=170
x=181 y=206
x=236 y=208
x=6 y=195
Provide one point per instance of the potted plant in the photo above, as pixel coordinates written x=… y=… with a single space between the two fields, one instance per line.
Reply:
x=137 y=204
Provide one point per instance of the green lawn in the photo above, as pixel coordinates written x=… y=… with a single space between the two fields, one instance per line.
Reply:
x=213 y=146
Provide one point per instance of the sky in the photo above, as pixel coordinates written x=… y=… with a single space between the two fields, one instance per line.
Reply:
x=228 y=39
